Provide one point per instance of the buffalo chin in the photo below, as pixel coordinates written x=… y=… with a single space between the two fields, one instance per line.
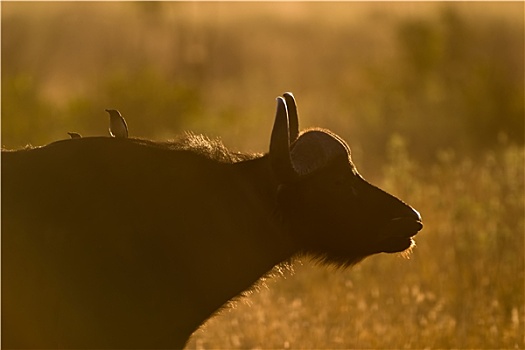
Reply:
x=398 y=244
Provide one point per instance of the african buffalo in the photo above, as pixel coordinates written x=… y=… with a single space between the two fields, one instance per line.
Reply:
x=129 y=243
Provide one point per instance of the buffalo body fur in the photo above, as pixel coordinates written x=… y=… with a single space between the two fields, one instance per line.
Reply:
x=127 y=243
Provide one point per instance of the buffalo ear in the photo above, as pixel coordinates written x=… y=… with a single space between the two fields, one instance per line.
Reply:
x=293 y=118
x=316 y=148
x=280 y=159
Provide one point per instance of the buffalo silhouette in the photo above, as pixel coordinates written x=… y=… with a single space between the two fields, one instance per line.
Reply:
x=130 y=243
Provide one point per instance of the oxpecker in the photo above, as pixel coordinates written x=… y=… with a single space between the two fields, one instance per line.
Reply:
x=117 y=124
x=74 y=135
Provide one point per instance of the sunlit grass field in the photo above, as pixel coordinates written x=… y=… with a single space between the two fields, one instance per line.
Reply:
x=429 y=96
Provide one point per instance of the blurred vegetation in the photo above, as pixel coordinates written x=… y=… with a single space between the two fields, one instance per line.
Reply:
x=441 y=75
x=430 y=96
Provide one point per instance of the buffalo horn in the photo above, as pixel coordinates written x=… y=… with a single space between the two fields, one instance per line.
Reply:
x=293 y=119
x=280 y=159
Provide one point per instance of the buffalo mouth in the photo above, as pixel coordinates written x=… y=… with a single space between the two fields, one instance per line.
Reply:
x=398 y=233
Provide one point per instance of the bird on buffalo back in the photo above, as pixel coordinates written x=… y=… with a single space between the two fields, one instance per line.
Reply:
x=117 y=124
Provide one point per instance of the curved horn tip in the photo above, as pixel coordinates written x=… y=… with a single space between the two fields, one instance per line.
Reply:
x=280 y=101
x=293 y=118
x=282 y=108
x=280 y=145
x=281 y=119
x=281 y=114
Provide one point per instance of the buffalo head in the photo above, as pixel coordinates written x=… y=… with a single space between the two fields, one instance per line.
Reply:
x=330 y=210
